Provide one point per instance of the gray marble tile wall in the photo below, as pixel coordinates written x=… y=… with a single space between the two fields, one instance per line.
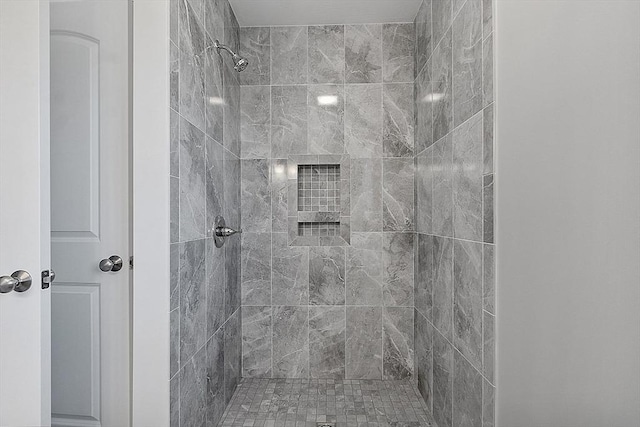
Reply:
x=454 y=175
x=205 y=318
x=329 y=311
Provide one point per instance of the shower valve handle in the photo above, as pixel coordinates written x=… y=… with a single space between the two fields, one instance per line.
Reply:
x=226 y=231
x=221 y=232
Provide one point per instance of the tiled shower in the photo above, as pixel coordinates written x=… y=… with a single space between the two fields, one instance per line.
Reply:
x=357 y=159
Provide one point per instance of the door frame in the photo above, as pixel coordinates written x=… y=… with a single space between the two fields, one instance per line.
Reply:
x=150 y=346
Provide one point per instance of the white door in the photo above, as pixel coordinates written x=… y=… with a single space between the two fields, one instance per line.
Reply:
x=24 y=211
x=90 y=312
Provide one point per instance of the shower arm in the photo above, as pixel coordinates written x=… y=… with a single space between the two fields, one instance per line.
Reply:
x=219 y=46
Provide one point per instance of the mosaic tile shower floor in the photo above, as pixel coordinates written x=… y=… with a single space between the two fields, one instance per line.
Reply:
x=342 y=403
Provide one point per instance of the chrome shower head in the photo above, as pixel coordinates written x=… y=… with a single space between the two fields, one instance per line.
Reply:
x=239 y=63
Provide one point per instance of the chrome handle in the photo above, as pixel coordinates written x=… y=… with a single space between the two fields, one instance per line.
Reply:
x=113 y=263
x=19 y=281
x=221 y=232
x=226 y=231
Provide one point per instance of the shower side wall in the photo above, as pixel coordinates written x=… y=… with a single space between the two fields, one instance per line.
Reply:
x=205 y=317
x=454 y=175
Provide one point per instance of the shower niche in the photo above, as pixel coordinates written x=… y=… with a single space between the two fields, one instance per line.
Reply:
x=319 y=200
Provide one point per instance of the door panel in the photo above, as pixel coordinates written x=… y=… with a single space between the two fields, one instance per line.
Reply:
x=75 y=155
x=90 y=213
x=77 y=321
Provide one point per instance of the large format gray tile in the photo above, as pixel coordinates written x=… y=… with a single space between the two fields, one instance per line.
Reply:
x=397 y=261
x=363 y=53
x=256 y=342
x=467 y=61
x=214 y=93
x=174 y=402
x=256 y=196
x=326 y=54
x=488 y=404
x=193 y=390
x=442 y=78
x=487 y=71
x=424 y=100
x=215 y=273
x=487 y=17
x=192 y=182
x=397 y=337
x=256 y=268
x=488 y=278
x=397 y=194
x=487 y=137
x=327 y=276
x=288 y=120
x=174 y=209
x=422 y=33
x=174 y=77
x=231 y=99
x=364 y=343
x=442 y=381
x=231 y=29
x=488 y=345
x=467 y=300
x=423 y=364
x=424 y=275
x=366 y=194
x=174 y=143
x=364 y=269
x=487 y=208
x=441 y=11
x=255 y=46
x=193 y=304
x=326 y=119
x=174 y=274
x=231 y=166
x=214 y=17
x=363 y=120
x=467 y=393
x=424 y=170
x=467 y=179
x=174 y=342
x=215 y=384
x=192 y=63
x=327 y=342
x=232 y=354
x=442 y=207
x=290 y=342
x=214 y=174
x=397 y=128
x=279 y=196
x=232 y=270
x=288 y=55
x=255 y=127
x=397 y=52
x=174 y=15
x=290 y=272
x=442 y=252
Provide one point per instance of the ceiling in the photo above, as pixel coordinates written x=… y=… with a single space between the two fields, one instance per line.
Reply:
x=252 y=13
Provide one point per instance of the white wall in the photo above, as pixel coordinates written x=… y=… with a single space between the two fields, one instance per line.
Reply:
x=568 y=226
x=151 y=213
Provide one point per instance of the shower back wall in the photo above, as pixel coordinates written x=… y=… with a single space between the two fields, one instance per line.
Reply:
x=328 y=311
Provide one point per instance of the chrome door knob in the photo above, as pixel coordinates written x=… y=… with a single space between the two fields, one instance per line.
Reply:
x=19 y=281
x=113 y=263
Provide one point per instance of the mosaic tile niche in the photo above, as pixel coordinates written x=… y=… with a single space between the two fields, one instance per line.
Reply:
x=319 y=200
